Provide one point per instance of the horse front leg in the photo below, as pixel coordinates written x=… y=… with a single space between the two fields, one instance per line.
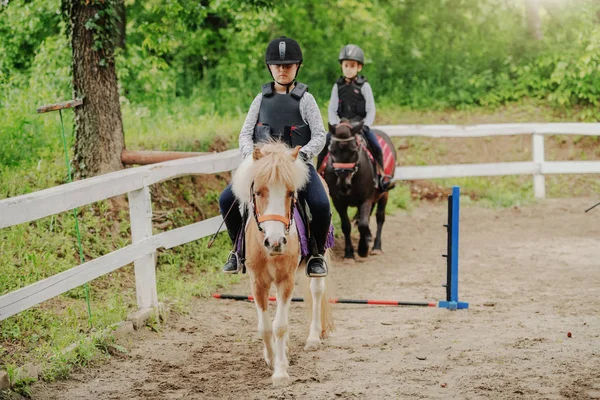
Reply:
x=380 y=215
x=281 y=328
x=363 y=227
x=260 y=291
x=342 y=210
x=317 y=290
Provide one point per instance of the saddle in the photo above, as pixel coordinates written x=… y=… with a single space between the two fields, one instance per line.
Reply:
x=302 y=218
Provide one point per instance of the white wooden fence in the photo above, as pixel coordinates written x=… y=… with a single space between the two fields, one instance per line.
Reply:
x=136 y=182
x=537 y=167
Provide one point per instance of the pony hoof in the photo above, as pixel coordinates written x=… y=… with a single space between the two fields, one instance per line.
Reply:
x=376 y=252
x=269 y=360
x=281 y=379
x=312 y=344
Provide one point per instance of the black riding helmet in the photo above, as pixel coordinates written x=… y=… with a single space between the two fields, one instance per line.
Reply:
x=352 y=52
x=283 y=50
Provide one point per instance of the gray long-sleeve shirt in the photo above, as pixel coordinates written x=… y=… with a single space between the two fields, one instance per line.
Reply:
x=367 y=93
x=309 y=110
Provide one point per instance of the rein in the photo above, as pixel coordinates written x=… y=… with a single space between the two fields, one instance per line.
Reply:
x=287 y=221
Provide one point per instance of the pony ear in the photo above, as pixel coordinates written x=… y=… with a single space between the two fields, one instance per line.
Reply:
x=257 y=154
x=294 y=152
x=357 y=126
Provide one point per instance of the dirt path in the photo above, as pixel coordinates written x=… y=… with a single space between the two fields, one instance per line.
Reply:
x=530 y=275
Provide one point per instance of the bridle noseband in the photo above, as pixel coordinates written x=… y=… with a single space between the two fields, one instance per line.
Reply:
x=287 y=221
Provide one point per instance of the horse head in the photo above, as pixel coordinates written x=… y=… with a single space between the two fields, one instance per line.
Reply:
x=345 y=149
x=268 y=183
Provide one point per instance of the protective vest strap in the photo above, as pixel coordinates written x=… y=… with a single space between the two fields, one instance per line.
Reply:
x=267 y=89
x=299 y=90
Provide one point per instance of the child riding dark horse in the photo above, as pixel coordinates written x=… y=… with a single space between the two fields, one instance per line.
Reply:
x=284 y=111
x=352 y=99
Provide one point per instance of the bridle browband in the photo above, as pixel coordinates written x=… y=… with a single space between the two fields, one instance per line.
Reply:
x=287 y=221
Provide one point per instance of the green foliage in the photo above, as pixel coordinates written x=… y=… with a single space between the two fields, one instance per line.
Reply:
x=421 y=54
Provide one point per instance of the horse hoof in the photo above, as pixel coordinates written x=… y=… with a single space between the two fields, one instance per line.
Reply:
x=376 y=252
x=363 y=254
x=281 y=379
x=312 y=344
x=268 y=360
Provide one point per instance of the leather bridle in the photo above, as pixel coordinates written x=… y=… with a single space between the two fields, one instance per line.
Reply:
x=287 y=221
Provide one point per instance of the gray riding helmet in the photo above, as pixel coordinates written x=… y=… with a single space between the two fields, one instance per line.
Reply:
x=352 y=52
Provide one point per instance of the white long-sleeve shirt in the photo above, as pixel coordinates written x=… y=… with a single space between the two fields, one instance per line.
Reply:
x=367 y=93
x=309 y=110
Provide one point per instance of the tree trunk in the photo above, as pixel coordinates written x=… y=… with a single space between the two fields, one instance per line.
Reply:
x=98 y=123
x=534 y=22
x=121 y=23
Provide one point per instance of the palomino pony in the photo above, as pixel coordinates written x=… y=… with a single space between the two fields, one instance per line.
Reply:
x=268 y=183
x=351 y=176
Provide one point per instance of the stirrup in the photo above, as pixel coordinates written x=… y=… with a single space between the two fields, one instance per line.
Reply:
x=238 y=263
x=385 y=183
x=318 y=256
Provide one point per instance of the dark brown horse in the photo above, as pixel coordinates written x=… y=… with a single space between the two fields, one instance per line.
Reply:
x=352 y=180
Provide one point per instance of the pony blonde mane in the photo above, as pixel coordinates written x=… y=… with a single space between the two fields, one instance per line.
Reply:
x=275 y=166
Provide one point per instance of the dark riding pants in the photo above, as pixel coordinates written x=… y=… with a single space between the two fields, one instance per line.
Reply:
x=315 y=195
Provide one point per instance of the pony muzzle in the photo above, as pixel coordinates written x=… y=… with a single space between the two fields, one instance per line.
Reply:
x=275 y=238
x=275 y=246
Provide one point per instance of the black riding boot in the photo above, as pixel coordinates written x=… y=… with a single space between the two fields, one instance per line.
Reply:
x=316 y=266
x=234 y=262
x=384 y=180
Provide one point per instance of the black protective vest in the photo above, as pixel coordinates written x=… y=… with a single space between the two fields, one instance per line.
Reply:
x=279 y=117
x=351 y=103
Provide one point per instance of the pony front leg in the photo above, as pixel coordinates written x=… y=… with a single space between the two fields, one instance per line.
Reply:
x=261 y=299
x=317 y=289
x=342 y=210
x=364 y=213
x=380 y=220
x=280 y=328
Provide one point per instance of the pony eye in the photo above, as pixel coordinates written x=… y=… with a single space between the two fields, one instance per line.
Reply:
x=259 y=193
x=290 y=194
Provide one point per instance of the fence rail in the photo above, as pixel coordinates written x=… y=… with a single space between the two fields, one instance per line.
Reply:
x=538 y=167
x=135 y=182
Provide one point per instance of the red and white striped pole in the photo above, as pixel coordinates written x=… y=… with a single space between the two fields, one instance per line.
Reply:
x=336 y=301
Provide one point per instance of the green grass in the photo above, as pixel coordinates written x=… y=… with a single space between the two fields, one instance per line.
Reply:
x=30 y=252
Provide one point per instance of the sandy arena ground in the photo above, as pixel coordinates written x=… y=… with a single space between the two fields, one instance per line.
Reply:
x=531 y=275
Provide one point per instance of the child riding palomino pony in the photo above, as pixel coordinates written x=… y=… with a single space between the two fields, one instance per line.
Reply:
x=267 y=183
x=351 y=174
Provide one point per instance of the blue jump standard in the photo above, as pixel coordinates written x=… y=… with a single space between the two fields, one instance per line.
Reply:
x=451 y=285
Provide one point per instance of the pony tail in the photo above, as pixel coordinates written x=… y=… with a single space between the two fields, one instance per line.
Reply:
x=327 y=324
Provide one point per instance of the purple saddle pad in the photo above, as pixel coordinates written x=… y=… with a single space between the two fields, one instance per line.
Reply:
x=301 y=229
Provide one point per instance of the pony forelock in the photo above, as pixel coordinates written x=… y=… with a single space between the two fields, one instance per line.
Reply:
x=276 y=166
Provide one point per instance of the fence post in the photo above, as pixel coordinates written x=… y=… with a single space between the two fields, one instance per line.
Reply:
x=140 y=215
x=539 y=181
